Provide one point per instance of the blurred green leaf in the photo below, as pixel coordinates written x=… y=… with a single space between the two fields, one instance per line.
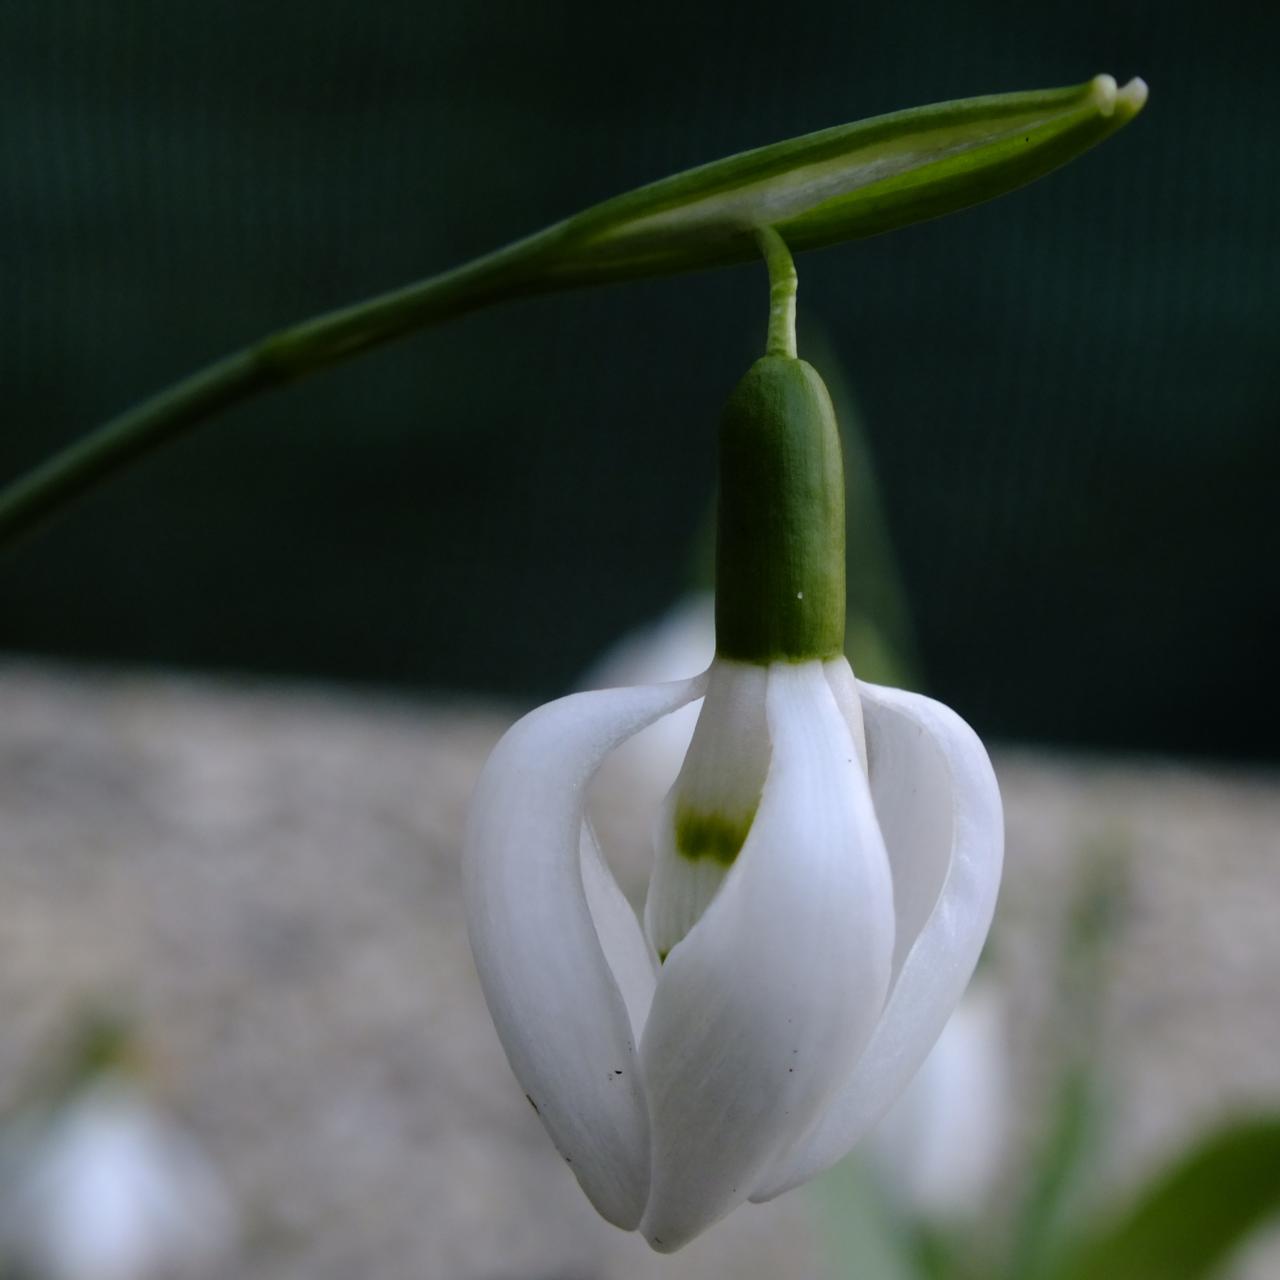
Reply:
x=879 y=634
x=1192 y=1217
x=866 y=1237
x=1059 y=1172
x=1058 y=1180
x=846 y=183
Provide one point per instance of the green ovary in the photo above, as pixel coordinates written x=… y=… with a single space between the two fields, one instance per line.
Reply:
x=714 y=836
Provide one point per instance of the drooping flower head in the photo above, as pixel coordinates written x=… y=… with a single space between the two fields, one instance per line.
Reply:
x=825 y=869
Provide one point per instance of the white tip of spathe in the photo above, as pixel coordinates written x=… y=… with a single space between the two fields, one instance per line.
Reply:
x=1103 y=91
x=1133 y=95
x=1107 y=96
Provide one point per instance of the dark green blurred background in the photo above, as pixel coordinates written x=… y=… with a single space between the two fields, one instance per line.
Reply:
x=1080 y=476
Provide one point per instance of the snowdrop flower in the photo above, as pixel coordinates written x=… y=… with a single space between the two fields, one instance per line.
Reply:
x=825 y=871
x=940 y=1146
x=109 y=1188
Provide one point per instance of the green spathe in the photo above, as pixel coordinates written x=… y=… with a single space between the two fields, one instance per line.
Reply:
x=780 y=576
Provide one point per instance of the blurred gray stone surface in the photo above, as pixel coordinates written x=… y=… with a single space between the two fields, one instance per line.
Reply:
x=267 y=878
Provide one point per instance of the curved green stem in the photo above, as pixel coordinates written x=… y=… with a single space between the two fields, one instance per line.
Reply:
x=783 y=284
x=281 y=358
x=39 y=493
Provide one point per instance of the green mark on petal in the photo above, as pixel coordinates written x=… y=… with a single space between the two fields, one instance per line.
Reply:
x=711 y=835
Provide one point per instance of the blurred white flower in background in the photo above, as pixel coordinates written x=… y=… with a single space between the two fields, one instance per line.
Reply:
x=939 y=1148
x=108 y=1187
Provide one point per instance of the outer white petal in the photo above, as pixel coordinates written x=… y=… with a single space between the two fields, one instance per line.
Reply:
x=762 y=1010
x=556 y=1005
x=939 y=808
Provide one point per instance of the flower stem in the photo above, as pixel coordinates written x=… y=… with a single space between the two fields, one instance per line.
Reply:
x=783 y=283
x=274 y=361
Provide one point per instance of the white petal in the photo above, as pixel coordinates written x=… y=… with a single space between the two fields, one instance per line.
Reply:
x=713 y=803
x=681 y=642
x=845 y=690
x=558 y=1009
x=762 y=1010
x=626 y=951
x=939 y=808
